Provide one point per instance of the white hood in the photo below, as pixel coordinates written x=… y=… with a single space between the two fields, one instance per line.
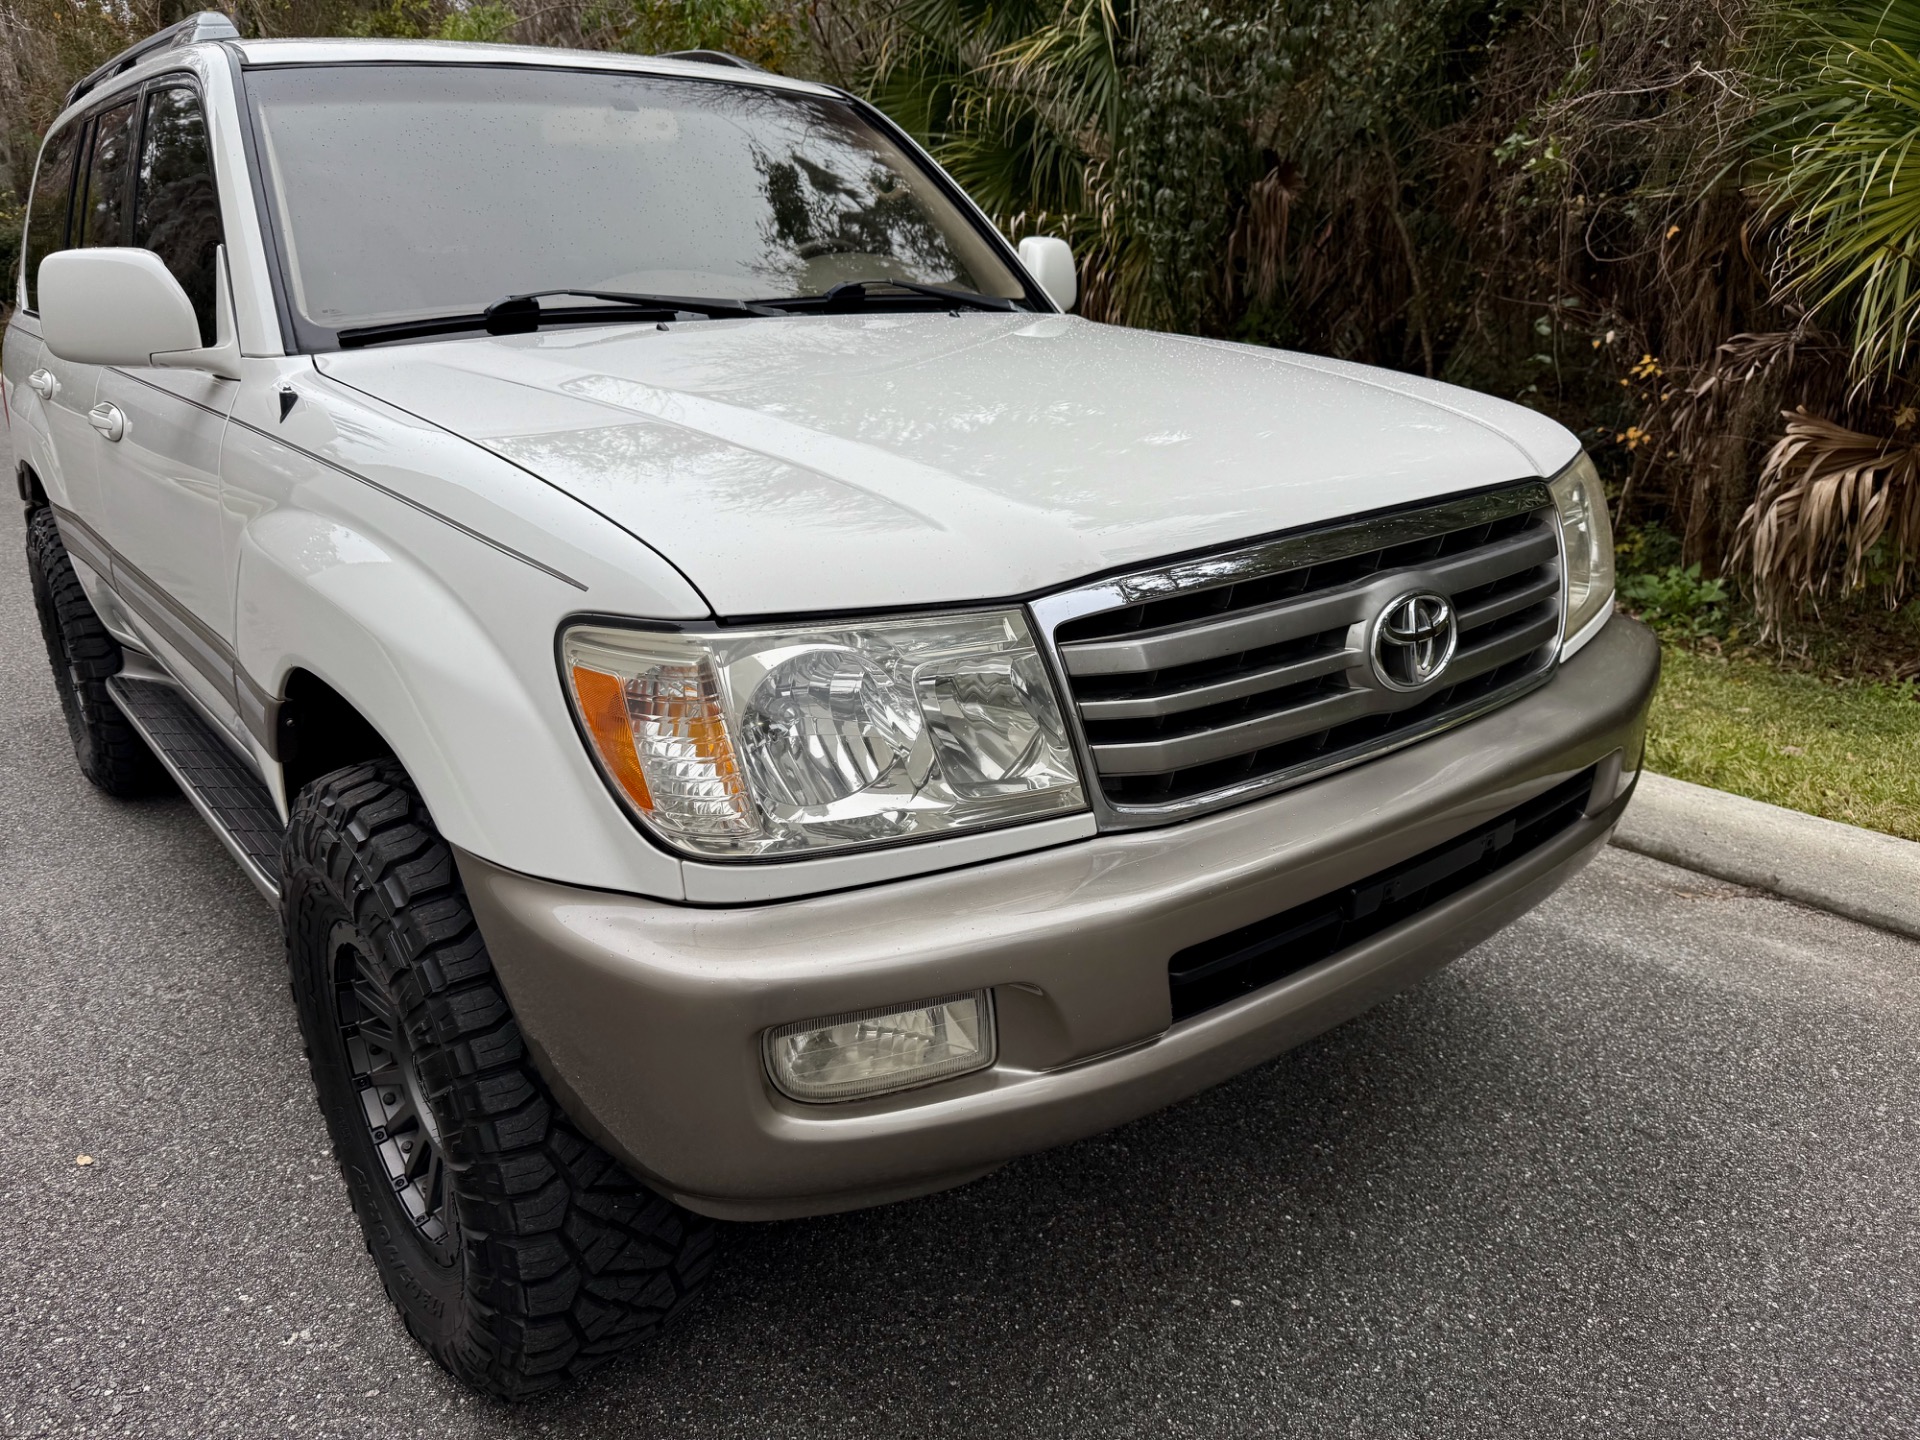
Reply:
x=881 y=461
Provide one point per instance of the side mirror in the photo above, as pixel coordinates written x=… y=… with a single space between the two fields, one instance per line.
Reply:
x=1050 y=261
x=113 y=306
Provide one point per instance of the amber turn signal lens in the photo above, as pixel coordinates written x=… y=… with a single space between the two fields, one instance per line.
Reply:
x=603 y=706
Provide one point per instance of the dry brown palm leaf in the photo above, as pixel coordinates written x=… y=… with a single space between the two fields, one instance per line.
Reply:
x=1257 y=248
x=1711 y=424
x=1828 y=495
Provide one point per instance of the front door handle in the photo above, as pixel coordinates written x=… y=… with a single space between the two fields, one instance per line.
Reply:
x=108 y=420
x=44 y=384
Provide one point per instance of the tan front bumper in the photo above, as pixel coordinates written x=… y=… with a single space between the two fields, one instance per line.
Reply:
x=647 y=1016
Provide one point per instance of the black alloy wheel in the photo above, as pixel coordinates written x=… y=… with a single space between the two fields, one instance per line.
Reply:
x=400 y=1126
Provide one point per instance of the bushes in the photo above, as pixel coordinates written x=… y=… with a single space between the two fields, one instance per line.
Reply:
x=13 y=220
x=1676 y=601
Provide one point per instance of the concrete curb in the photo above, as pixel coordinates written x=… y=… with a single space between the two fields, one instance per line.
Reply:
x=1861 y=874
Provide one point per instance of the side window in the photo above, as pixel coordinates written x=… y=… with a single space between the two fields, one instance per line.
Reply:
x=47 y=210
x=103 y=221
x=176 y=212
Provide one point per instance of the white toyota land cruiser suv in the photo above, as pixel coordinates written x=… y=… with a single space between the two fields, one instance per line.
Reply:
x=746 y=707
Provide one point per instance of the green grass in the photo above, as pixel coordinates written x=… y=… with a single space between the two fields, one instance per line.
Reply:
x=1850 y=752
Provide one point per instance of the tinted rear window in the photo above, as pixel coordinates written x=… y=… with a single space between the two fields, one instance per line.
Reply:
x=103 y=217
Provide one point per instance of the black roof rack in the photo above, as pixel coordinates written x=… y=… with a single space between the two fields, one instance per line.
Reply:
x=711 y=57
x=207 y=25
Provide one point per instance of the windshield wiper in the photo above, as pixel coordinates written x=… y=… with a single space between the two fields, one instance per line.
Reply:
x=525 y=310
x=851 y=293
x=523 y=314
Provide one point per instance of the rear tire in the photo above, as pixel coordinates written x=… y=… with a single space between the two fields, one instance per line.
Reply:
x=518 y=1252
x=110 y=751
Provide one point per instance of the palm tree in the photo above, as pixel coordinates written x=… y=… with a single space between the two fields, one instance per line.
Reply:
x=1023 y=101
x=1840 y=174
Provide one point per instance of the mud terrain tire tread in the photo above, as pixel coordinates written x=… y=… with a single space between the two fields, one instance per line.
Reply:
x=563 y=1259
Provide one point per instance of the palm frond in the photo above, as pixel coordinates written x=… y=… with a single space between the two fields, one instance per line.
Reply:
x=1839 y=139
x=1024 y=101
x=1828 y=496
x=1076 y=62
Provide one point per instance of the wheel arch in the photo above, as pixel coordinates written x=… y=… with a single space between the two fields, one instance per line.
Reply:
x=33 y=494
x=317 y=730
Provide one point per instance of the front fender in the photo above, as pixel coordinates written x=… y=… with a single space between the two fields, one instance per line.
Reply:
x=443 y=639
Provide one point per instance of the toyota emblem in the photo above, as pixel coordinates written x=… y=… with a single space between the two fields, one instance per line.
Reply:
x=1413 y=640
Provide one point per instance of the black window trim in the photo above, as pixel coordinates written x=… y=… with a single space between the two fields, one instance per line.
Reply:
x=83 y=125
x=302 y=337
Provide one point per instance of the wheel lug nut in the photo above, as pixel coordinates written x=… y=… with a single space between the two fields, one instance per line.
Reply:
x=386 y=1098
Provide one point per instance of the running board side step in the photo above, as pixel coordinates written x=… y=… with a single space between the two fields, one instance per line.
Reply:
x=228 y=795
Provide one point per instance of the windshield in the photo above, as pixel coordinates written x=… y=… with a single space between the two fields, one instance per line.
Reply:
x=404 y=192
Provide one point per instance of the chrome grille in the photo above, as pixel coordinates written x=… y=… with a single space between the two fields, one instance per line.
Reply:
x=1207 y=681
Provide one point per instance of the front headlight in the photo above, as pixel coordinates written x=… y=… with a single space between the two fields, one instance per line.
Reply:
x=1587 y=537
x=738 y=743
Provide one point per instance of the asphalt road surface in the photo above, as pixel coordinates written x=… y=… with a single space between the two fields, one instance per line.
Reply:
x=1642 y=1165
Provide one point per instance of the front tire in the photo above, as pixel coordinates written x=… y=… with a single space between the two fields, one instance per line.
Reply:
x=518 y=1252
x=110 y=751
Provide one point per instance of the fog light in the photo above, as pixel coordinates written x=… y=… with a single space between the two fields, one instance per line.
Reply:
x=867 y=1052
